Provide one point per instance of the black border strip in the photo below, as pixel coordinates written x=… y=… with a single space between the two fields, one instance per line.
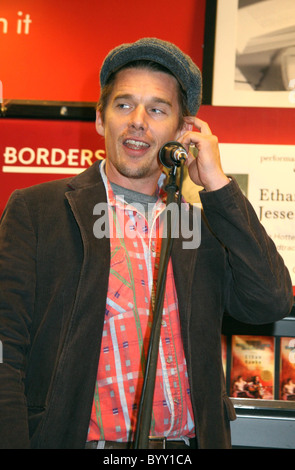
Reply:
x=209 y=49
x=59 y=110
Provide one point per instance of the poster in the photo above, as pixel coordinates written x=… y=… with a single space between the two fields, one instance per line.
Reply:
x=266 y=175
x=254 y=58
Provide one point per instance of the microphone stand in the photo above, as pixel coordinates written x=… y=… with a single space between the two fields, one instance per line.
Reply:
x=144 y=417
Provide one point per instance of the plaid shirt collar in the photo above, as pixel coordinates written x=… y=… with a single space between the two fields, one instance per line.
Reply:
x=115 y=200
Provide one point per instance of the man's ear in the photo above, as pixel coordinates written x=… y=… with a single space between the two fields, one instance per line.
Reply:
x=185 y=128
x=99 y=124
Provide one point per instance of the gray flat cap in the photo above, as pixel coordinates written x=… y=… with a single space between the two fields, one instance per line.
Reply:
x=164 y=53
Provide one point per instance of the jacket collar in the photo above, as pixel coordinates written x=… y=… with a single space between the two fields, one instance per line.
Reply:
x=91 y=176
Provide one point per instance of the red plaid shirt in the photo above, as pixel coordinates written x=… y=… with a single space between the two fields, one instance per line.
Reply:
x=128 y=318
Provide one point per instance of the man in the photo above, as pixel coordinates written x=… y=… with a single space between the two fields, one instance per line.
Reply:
x=76 y=307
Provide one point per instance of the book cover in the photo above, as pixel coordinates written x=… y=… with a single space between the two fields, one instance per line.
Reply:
x=252 y=367
x=224 y=352
x=287 y=369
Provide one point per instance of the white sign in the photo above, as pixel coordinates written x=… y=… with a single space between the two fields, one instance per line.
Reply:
x=266 y=174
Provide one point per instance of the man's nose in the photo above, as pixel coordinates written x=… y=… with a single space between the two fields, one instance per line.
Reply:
x=138 y=118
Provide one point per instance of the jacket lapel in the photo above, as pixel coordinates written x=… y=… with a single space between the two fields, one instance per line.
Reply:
x=77 y=369
x=87 y=190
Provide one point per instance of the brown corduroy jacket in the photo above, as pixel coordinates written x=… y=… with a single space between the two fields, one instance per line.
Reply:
x=54 y=279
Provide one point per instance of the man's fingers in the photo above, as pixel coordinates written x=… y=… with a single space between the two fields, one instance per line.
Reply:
x=199 y=124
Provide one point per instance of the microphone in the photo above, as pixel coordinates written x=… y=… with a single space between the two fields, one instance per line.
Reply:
x=172 y=153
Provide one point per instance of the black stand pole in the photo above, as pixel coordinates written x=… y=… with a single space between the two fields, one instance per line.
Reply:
x=141 y=439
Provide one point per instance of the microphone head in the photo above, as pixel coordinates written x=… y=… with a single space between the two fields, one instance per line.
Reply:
x=171 y=153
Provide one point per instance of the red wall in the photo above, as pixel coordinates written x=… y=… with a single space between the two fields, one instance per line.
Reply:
x=57 y=56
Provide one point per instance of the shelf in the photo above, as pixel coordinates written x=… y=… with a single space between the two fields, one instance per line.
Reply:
x=263 y=424
x=61 y=110
x=281 y=408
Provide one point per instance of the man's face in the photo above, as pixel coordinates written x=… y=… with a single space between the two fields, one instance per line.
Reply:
x=142 y=114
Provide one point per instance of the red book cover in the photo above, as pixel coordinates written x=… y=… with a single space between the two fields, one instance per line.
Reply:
x=287 y=369
x=223 y=352
x=253 y=367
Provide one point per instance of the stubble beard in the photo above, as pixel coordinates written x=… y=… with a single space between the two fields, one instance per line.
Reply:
x=134 y=173
x=143 y=170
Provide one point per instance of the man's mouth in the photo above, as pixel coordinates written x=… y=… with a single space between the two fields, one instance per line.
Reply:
x=135 y=144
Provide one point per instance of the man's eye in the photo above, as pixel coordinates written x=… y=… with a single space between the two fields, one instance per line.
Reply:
x=157 y=111
x=123 y=105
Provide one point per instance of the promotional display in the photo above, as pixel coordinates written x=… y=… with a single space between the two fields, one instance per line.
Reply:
x=259 y=367
x=266 y=175
x=35 y=151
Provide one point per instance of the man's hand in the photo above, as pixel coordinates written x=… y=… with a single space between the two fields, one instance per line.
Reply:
x=204 y=170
